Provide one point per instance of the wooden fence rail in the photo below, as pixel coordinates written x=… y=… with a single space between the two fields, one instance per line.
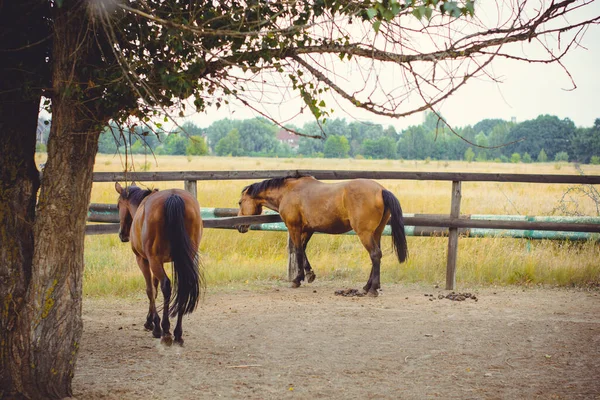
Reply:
x=454 y=221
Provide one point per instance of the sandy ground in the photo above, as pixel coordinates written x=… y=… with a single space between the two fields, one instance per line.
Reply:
x=276 y=343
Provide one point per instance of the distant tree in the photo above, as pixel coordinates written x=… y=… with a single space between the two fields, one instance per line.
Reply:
x=218 y=130
x=257 y=135
x=586 y=143
x=515 y=158
x=379 y=149
x=481 y=140
x=336 y=147
x=175 y=145
x=416 y=143
x=110 y=140
x=527 y=158
x=191 y=129
x=469 y=155
x=595 y=160
x=561 y=156
x=487 y=125
x=196 y=146
x=230 y=144
x=498 y=137
x=391 y=132
x=542 y=157
x=433 y=122
x=138 y=148
x=546 y=132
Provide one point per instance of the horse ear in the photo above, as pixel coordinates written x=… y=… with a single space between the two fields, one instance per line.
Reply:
x=118 y=187
x=154 y=190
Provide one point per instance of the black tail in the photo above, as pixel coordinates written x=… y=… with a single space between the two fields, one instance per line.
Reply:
x=184 y=253
x=397 y=222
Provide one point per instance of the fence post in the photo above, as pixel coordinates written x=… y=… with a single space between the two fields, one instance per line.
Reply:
x=192 y=187
x=453 y=237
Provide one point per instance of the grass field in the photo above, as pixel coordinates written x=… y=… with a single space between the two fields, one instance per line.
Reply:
x=232 y=259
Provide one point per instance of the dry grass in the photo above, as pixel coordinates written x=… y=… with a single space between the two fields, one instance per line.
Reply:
x=230 y=258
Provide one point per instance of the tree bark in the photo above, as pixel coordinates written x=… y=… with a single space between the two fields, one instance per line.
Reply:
x=59 y=230
x=23 y=71
x=41 y=283
x=19 y=182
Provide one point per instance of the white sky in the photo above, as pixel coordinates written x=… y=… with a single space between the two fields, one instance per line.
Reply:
x=526 y=91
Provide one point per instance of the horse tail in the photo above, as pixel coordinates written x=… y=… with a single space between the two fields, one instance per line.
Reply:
x=184 y=254
x=397 y=222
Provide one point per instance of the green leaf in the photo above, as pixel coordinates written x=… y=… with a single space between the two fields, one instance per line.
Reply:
x=428 y=13
x=470 y=6
x=371 y=12
x=417 y=12
x=388 y=15
x=376 y=26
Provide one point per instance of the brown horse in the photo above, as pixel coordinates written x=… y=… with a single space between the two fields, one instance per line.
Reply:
x=164 y=226
x=307 y=205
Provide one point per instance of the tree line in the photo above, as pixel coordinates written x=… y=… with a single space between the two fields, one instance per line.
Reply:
x=546 y=138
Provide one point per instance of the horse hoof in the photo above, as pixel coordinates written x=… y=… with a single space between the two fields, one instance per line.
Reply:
x=294 y=285
x=157 y=333
x=149 y=326
x=372 y=293
x=310 y=276
x=167 y=340
x=179 y=341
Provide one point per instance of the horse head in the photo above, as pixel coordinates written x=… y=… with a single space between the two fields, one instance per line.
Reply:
x=125 y=217
x=248 y=206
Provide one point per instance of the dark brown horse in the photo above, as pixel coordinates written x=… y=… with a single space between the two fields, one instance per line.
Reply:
x=164 y=226
x=307 y=205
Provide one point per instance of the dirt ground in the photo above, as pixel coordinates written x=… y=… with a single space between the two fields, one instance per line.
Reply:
x=276 y=343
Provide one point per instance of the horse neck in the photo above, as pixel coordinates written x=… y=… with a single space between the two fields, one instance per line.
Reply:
x=132 y=209
x=272 y=198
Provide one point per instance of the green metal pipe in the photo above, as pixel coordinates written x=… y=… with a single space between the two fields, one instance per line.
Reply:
x=109 y=213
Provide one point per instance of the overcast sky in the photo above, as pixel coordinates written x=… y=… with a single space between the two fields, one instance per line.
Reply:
x=527 y=90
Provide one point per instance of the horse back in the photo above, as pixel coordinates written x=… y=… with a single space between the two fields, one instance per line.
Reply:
x=149 y=237
x=333 y=207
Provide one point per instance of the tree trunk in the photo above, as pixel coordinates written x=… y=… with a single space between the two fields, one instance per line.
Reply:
x=19 y=181
x=23 y=75
x=59 y=230
x=43 y=339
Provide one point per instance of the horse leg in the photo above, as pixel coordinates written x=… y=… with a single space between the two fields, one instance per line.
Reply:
x=310 y=275
x=371 y=244
x=178 y=332
x=152 y=319
x=156 y=266
x=296 y=237
x=165 y=286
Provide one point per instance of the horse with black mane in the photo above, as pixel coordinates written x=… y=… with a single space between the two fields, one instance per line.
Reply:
x=307 y=205
x=164 y=226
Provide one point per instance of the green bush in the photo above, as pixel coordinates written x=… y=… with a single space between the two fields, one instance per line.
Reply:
x=561 y=156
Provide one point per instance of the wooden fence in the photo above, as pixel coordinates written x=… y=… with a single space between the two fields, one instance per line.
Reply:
x=452 y=221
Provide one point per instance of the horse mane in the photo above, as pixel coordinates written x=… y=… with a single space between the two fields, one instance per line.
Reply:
x=274 y=183
x=135 y=195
